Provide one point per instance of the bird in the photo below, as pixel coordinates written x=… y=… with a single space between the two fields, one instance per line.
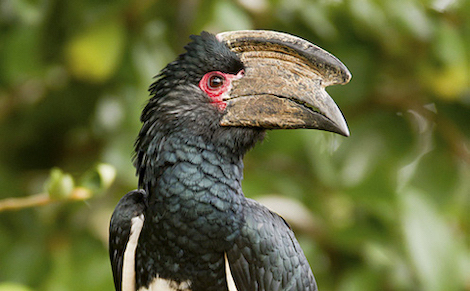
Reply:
x=189 y=226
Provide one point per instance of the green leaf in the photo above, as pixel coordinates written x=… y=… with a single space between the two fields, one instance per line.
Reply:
x=228 y=16
x=8 y=286
x=451 y=77
x=59 y=185
x=94 y=54
x=99 y=178
x=431 y=244
x=21 y=58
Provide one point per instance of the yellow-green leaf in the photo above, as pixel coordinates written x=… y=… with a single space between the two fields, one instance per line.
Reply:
x=9 y=286
x=94 y=54
x=59 y=185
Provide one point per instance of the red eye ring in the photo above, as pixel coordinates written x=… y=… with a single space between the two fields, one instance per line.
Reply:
x=217 y=85
x=215 y=81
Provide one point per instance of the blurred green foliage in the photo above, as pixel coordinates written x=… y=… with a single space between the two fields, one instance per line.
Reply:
x=386 y=209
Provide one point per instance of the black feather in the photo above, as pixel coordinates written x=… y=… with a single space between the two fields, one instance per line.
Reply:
x=131 y=205
x=190 y=169
x=266 y=255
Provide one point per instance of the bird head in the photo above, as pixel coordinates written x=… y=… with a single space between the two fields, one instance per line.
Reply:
x=232 y=86
x=254 y=78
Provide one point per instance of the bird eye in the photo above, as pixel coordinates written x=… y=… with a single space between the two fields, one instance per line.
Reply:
x=215 y=81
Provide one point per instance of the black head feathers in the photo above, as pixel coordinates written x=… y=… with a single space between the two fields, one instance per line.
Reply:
x=204 y=54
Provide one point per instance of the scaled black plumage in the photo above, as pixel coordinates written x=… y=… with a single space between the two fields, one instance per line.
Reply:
x=206 y=110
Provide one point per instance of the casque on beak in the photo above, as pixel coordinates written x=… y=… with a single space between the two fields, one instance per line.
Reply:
x=284 y=83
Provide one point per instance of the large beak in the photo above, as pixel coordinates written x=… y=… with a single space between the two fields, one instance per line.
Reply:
x=284 y=83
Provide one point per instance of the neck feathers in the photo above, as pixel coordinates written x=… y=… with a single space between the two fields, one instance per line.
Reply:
x=173 y=134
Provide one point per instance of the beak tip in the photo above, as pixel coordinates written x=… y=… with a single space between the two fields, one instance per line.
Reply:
x=342 y=128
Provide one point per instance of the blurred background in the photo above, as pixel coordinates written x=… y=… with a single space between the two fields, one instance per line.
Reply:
x=385 y=209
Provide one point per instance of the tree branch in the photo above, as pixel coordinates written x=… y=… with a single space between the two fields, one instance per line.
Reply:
x=41 y=199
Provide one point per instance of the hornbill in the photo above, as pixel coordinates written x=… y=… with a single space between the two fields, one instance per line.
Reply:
x=189 y=226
